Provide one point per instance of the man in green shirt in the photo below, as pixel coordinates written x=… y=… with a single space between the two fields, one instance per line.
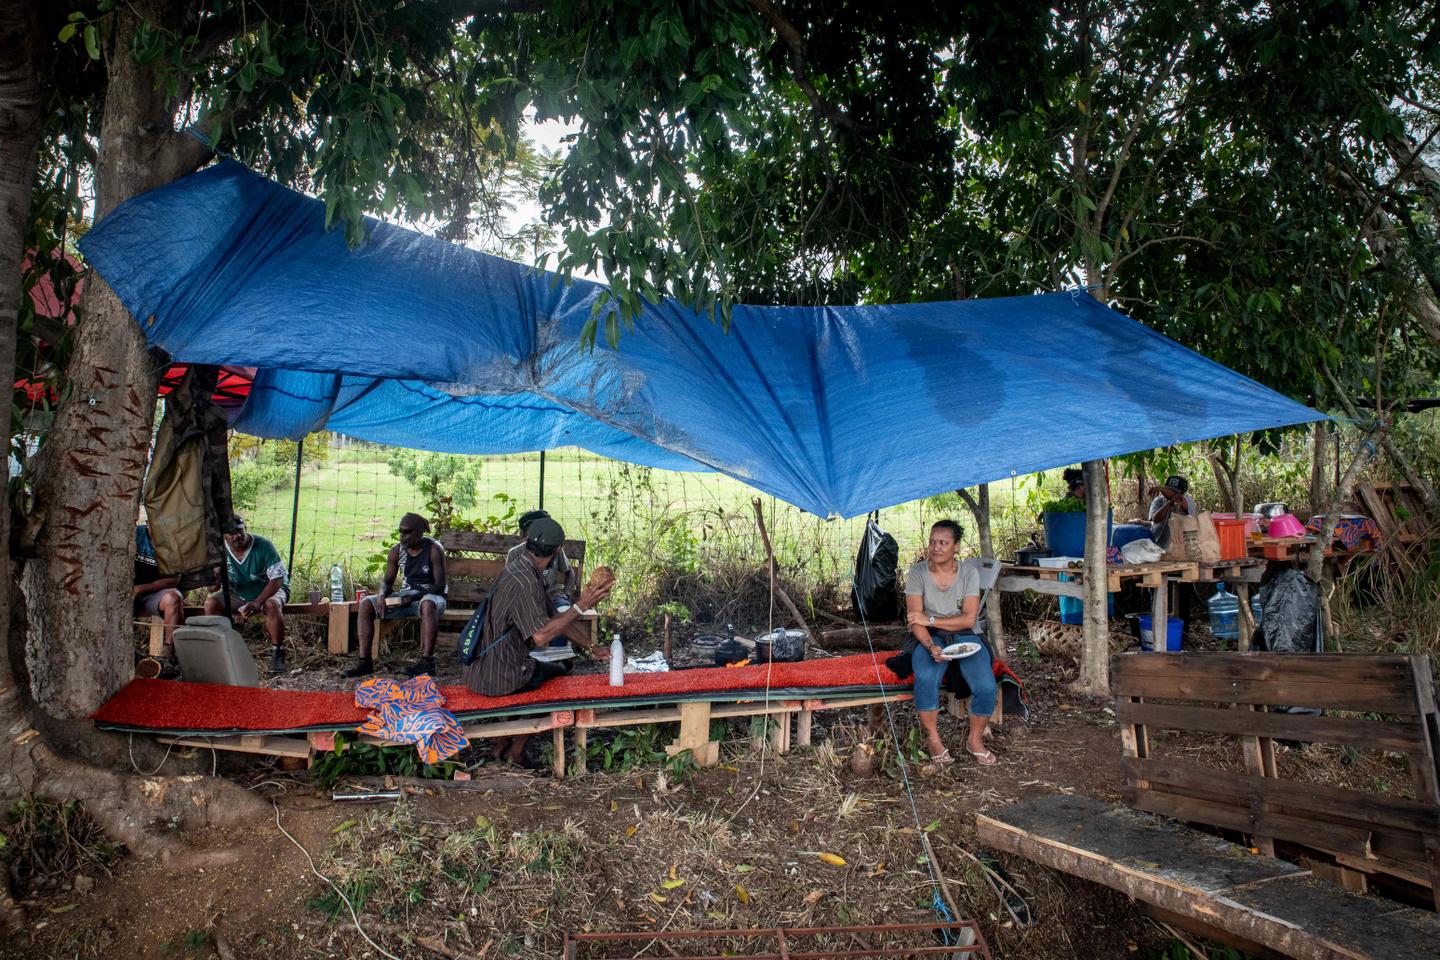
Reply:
x=259 y=583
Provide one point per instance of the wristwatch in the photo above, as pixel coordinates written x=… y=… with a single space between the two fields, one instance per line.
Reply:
x=931 y=621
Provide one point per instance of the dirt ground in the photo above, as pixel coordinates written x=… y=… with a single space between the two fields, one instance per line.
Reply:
x=505 y=870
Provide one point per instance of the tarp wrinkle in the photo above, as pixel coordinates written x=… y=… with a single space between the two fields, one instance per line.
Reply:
x=415 y=342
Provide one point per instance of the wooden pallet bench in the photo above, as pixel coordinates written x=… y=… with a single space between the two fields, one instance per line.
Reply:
x=693 y=717
x=1362 y=839
x=472 y=562
x=1258 y=904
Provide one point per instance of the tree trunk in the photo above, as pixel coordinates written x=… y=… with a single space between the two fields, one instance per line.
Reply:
x=1095 y=656
x=19 y=143
x=77 y=583
x=1318 y=464
x=1237 y=500
x=980 y=510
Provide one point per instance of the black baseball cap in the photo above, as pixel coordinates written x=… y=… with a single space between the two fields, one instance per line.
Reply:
x=544 y=534
x=1178 y=483
x=529 y=517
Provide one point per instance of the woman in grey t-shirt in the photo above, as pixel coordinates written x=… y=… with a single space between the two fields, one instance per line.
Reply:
x=942 y=602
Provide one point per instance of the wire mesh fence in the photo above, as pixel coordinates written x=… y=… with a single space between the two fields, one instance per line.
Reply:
x=653 y=527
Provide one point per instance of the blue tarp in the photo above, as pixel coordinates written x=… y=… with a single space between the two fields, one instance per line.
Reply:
x=839 y=410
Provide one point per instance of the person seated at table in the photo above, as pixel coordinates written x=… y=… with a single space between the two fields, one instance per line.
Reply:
x=942 y=603
x=259 y=583
x=1171 y=499
x=423 y=559
x=522 y=617
x=155 y=595
x=562 y=580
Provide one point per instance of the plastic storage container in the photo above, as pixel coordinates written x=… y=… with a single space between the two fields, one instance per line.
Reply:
x=1065 y=533
x=1232 y=539
x=1173 y=635
x=1224 y=609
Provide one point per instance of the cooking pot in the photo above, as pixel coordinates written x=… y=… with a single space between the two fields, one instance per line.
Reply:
x=780 y=646
x=1027 y=556
x=1271 y=510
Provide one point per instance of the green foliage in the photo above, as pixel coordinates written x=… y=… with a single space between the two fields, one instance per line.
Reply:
x=249 y=480
x=1064 y=505
x=357 y=890
x=631 y=748
x=351 y=759
x=446 y=481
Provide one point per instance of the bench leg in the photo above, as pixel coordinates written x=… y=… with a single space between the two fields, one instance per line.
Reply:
x=695 y=735
x=157 y=636
x=803 y=721
x=557 y=740
x=582 y=741
x=337 y=633
x=780 y=733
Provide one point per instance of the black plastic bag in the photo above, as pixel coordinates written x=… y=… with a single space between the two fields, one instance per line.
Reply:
x=873 y=596
x=1289 y=614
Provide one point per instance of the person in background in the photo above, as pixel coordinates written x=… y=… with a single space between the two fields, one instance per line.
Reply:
x=942 y=603
x=522 y=616
x=562 y=580
x=155 y=595
x=1074 y=483
x=259 y=583
x=423 y=596
x=1171 y=499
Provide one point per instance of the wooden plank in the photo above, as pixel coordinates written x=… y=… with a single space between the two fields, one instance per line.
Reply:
x=627 y=717
x=1320 y=800
x=1348 y=668
x=803 y=722
x=274 y=746
x=1332 y=838
x=156 y=641
x=695 y=735
x=1425 y=765
x=1371 y=734
x=469 y=592
x=1355 y=925
x=1203 y=878
x=481 y=568
x=557 y=752
x=468 y=541
x=1329 y=696
x=1055 y=588
x=337 y=630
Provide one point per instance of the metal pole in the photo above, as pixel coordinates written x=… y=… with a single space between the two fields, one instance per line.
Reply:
x=295 y=502
x=542 y=480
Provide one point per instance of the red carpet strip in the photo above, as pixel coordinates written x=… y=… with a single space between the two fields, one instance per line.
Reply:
x=169 y=706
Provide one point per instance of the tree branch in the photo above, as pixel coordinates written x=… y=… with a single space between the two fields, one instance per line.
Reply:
x=796 y=43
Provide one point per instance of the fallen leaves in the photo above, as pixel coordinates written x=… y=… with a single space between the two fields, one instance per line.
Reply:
x=742 y=894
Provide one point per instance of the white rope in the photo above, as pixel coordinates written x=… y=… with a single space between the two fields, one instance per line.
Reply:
x=338 y=892
x=130 y=748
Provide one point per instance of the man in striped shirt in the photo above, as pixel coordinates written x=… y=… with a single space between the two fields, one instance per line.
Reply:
x=521 y=617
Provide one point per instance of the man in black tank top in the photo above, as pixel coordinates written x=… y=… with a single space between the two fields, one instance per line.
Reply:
x=423 y=596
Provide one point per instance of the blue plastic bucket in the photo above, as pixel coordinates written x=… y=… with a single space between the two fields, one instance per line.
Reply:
x=1173 y=634
x=1065 y=533
x=1072 y=609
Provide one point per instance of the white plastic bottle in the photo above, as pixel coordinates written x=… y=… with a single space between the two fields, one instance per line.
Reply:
x=337 y=584
x=617 y=662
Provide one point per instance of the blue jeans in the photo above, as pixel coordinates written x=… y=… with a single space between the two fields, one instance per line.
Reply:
x=976 y=669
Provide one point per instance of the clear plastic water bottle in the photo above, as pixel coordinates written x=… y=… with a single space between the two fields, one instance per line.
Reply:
x=617 y=662
x=337 y=584
x=1224 y=609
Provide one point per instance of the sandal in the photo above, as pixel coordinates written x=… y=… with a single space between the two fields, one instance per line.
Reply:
x=942 y=758
x=985 y=758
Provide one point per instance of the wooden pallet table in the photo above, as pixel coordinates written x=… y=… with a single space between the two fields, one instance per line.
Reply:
x=1015 y=578
x=1240 y=574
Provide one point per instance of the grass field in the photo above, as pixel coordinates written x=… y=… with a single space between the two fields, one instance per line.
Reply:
x=349 y=505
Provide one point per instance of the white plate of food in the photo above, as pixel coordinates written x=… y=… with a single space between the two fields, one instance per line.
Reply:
x=958 y=651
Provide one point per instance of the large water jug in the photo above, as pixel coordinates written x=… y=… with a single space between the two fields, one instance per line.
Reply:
x=337 y=585
x=1224 y=614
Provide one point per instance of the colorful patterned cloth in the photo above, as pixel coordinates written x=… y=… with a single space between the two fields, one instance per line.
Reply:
x=1351 y=532
x=411 y=712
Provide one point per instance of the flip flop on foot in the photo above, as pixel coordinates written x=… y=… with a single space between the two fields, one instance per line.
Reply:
x=985 y=758
x=942 y=758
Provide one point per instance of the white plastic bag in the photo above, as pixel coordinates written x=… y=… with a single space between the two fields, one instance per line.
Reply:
x=1143 y=550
